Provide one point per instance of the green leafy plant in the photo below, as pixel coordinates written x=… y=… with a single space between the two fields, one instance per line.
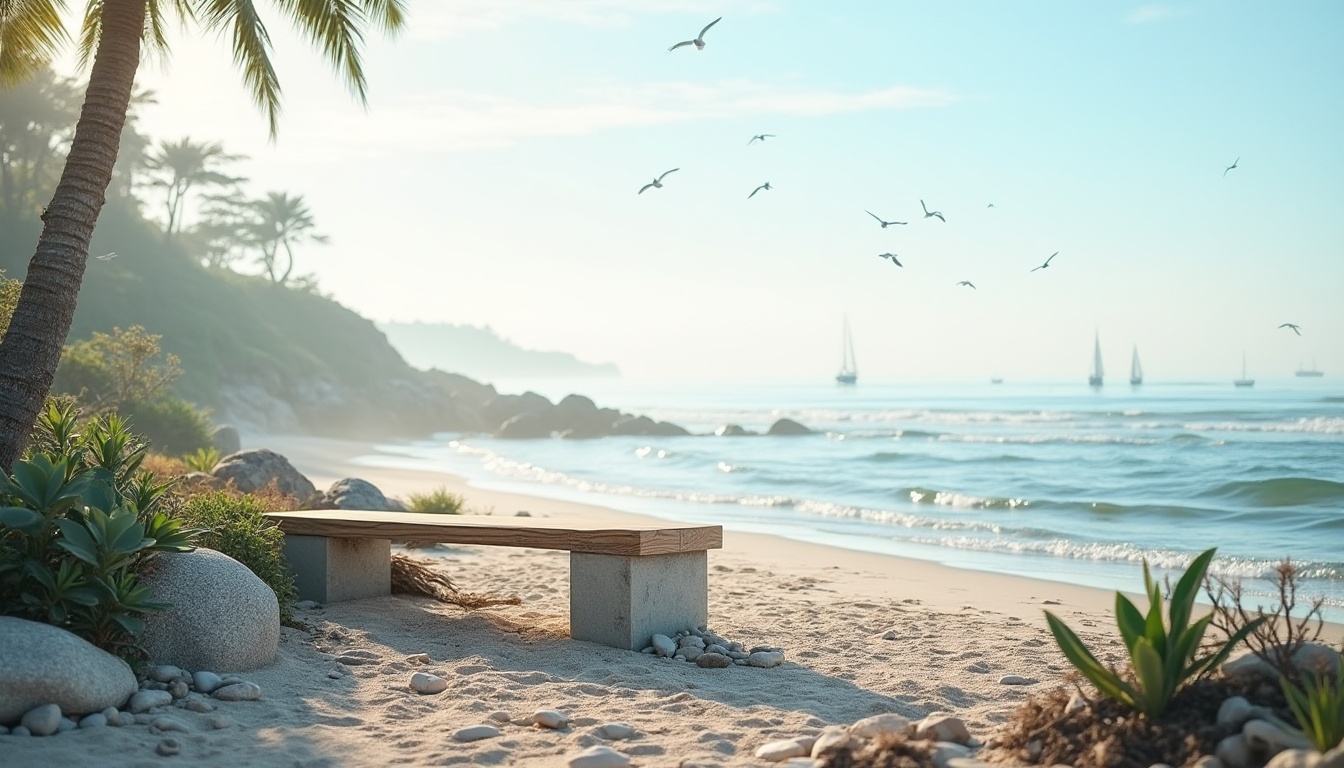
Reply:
x=236 y=525
x=439 y=501
x=1318 y=705
x=203 y=460
x=1163 y=658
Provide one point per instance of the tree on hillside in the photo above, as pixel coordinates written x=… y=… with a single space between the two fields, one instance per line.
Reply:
x=36 y=118
x=31 y=33
x=177 y=167
x=281 y=222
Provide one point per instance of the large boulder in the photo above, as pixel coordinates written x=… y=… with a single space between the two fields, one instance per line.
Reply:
x=668 y=429
x=41 y=664
x=223 y=618
x=633 y=425
x=731 y=430
x=226 y=440
x=353 y=493
x=577 y=417
x=253 y=470
x=787 y=427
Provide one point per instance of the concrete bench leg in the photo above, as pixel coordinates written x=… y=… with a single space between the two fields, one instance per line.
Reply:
x=624 y=601
x=331 y=570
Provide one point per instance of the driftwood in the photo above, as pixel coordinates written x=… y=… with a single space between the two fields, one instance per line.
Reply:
x=412 y=576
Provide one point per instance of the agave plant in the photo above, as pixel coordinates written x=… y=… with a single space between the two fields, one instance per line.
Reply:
x=1318 y=706
x=1163 y=658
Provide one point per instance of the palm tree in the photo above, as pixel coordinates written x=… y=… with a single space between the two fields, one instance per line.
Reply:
x=282 y=221
x=183 y=165
x=31 y=33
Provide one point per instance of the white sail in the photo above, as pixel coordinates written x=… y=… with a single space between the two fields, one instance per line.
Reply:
x=1095 y=378
x=849 y=368
x=1135 y=368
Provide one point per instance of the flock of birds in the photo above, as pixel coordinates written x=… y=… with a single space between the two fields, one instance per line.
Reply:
x=699 y=42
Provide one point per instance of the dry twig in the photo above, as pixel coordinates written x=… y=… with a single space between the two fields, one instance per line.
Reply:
x=416 y=577
x=1277 y=640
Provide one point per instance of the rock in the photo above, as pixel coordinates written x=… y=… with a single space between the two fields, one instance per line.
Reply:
x=475 y=733
x=668 y=429
x=1319 y=658
x=664 y=645
x=549 y=718
x=1232 y=752
x=1016 y=680
x=95 y=720
x=690 y=653
x=943 y=727
x=113 y=716
x=66 y=724
x=41 y=664
x=943 y=752
x=766 y=659
x=419 y=658
x=168 y=747
x=598 y=757
x=731 y=430
x=783 y=749
x=169 y=724
x=164 y=673
x=238 y=692
x=1264 y=738
x=713 y=661
x=19 y=730
x=691 y=641
x=205 y=682
x=147 y=700
x=877 y=725
x=787 y=427
x=425 y=683
x=1208 y=761
x=831 y=739
x=226 y=440
x=178 y=689
x=525 y=426
x=890 y=634
x=352 y=493
x=223 y=616
x=220 y=722
x=616 y=731
x=42 y=720
x=307 y=605
x=1295 y=758
x=253 y=470
x=1333 y=759
x=633 y=425
x=198 y=705
x=1077 y=702
x=501 y=717
x=577 y=417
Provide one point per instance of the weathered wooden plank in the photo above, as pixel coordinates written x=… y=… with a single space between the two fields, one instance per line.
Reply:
x=535 y=532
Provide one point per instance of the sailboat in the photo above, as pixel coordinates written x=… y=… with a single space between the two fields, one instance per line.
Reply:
x=1135 y=369
x=849 y=370
x=1094 y=380
x=1243 y=381
x=1312 y=372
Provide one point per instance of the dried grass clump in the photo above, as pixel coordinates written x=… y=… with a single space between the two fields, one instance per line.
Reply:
x=411 y=576
x=886 y=751
x=164 y=468
x=1278 y=638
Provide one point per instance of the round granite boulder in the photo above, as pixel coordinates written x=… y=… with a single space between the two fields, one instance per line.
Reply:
x=252 y=470
x=41 y=664
x=223 y=618
x=353 y=493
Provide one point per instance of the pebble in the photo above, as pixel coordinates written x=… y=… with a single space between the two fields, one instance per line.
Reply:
x=475 y=733
x=944 y=751
x=616 y=731
x=418 y=658
x=220 y=722
x=766 y=659
x=423 y=682
x=178 y=689
x=691 y=641
x=66 y=724
x=712 y=661
x=199 y=705
x=205 y=682
x=169 y=724
x=664 y=645
x=647 y=649
x=19 y=730
x=877 y=725
x=1016 y=680
x=143 y=701
x=549 y=718
x=690 y=653
x=307 y=605
x=890 y=634
x=168 y=747
x=239 y=692
x=165 y=673
x=42 y=720
x=95 y=720
x=775 y=751
x=113 y=715
x=598 y=757
x=1265 y=738
x=943 y=727
x=4 y=729
x=716 y=648
x=831 y=739
x=741 y=662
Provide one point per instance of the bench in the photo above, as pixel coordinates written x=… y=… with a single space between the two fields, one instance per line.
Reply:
x=626 y=584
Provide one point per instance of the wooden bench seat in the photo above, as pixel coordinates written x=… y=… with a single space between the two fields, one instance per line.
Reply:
x=626 y=583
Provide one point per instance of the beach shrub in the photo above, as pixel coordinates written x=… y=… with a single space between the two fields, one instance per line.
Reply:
x=203 y=460
x=1318 y=705
x=1163 y=659
x=1277 y=639
x=439 y=501
x=235 y=524
x=172 y=425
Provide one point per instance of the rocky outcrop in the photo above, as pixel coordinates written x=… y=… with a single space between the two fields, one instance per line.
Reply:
x=787 y=427
x=42 y=665
x=222 y=618
x=225 y=439
x=353 y=493
x=252 y=470
x=732 y=430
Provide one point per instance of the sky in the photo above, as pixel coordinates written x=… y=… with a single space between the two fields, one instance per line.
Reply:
x=492 y=180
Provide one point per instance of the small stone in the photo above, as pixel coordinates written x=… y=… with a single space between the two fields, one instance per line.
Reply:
x=1232 y=752
x=307 y=605
x=712 y=661
x=43 y=720
x=349 y=659
x=783 y=749
x=877 y=725
x=143 y=701
x=737 y=655
x=690 y=653
x=335 y=674
x=66 y=724
x=598 y=757
x=425 y=683
x=1264 y=738
x=145 y=718
x=239 y=692
x=178 y=689
x=647 y=649
x=890 y=634
x=200 y=705
x=741 y=662
x=475 y=733
x=113 y=715
x=1016 y=680
x=717 y=648
x=95 y=720
x=944 y=751
x=943 y=727
x=500 y=717
x=830 y=740
x=153 y=685
x=616 y=731
x=691 y=641
x=221 y=722
x=549 y=718
x=4 y=729
x=164 y=673
x=765 y=659
x=19 y=730
x=1077 y=703
x=168 y=747
x=418 y=658
x=1295 y=758
x=205 y=682
x=664 y=645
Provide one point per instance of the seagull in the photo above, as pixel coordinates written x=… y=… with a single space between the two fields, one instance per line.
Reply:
x=107 y=256
x=658 y=182
x=967 y=283
x=891 y=256
x=1230 y=167
x=1047 y=262
x=699 y=41
x=884 y=224
x=928 y=213
x=761 y=137
x=1296 y=329
x=766 y=186
x=991 y=205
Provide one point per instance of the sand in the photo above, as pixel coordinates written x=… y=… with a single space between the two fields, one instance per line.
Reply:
x=863 y=634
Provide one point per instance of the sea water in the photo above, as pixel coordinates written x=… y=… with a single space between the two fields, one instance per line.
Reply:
x=1053 y=481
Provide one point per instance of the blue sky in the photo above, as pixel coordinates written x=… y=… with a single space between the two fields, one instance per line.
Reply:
x=492 y=181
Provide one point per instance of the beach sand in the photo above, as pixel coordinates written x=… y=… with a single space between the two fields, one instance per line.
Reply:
x=863 y=634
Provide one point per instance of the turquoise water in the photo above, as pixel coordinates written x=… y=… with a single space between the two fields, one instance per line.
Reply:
x=1054 y=481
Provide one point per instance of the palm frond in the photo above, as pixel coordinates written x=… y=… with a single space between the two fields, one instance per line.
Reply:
x=334 y=26
x=155 y=22
x=90 y=30
x=251 y=51
x=390 y=15
x=31 y=32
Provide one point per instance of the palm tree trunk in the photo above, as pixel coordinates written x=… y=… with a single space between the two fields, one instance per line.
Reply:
x=32 y=347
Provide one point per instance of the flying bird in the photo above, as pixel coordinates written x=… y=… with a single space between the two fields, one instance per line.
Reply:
x=1047 y=261
x=658 y=182
x=761 y=137
x=991 y=205
x=891 y=256
x=1230 y=167
x=884 y=224
x=699 y=41
x=968 y=284
x=107 y=256
x=1295 y=328
x=928 y=213
x=765 y=186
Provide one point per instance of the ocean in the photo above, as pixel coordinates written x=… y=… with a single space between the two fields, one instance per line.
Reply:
x=1047 y=480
